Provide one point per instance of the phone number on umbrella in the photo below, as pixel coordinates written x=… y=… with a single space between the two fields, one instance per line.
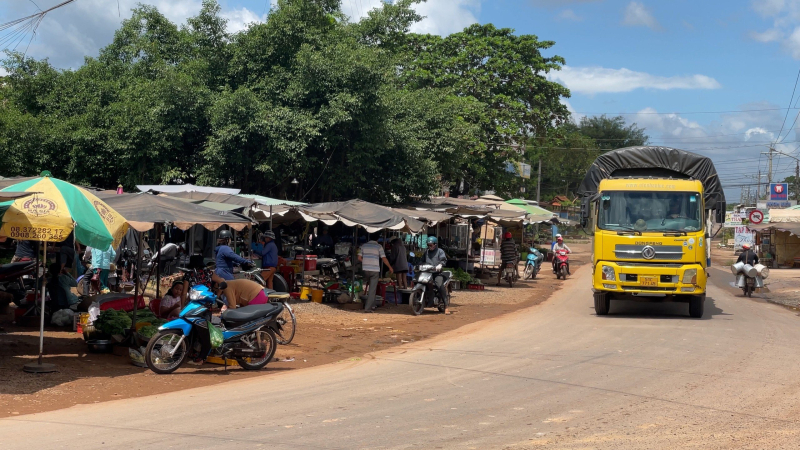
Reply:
x=37 y=234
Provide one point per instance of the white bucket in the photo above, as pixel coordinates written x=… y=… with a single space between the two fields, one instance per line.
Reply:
x=763 y=271
x=737 y=268
x=759 y=282
x=749 y=270
x=740 y=280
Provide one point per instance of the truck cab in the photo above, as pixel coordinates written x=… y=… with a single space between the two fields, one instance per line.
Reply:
x=651 y=225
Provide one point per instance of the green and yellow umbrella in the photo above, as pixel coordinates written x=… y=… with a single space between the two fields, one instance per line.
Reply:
x=54 y=209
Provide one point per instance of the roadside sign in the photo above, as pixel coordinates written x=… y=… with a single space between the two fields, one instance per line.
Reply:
x=778 y=191
x=733 y=219
x=756 y=217
x=781 y=204
x=743 y=235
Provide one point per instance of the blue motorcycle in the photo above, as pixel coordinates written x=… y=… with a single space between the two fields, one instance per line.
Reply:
x=533 y=264
x=248 y=334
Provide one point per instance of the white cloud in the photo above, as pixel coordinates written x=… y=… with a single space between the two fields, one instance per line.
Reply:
x=569 y=14
x=595 y=80
x=444 y=17
x=81 y=28
x=636 y=15
x=3 y=72
x=770 y=35
x=768 y=8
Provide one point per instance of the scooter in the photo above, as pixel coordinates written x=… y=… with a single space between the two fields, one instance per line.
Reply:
x=510 y=273
x=248 y=334
x=13 y=283
x=534 y=263
x=425 y=294
x=562 y=264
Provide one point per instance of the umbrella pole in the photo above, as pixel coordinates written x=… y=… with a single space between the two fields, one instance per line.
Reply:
x=136 y=283
x=159 y=239
x=39 y=367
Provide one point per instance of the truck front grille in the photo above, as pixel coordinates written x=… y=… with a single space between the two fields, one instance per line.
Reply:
x=662 y=252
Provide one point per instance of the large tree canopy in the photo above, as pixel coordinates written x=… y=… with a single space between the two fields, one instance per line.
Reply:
x=364 y=109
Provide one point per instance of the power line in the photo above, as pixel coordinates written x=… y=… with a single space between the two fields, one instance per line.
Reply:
x=788 y=108
x=19 y=28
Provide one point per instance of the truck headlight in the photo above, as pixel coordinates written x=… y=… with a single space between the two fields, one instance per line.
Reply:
x=608 y=273
x=690 y=276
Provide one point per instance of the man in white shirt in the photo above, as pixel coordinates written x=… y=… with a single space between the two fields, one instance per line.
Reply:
x=169 y=256
x=371 y=254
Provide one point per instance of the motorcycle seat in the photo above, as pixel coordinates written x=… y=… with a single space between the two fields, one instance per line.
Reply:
x=7 y=269
x=251 y=312
x=325 y=261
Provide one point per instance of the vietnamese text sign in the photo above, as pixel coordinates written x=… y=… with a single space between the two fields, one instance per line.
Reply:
x=778 y=191
x=776 y=204
x=733 y=219
x=742 y=235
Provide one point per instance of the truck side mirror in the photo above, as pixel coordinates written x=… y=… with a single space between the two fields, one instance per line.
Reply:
x=585 y=211
x=721 y=209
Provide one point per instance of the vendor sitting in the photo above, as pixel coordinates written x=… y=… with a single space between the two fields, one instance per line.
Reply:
x=171 y=303
x=60 y=285
x=242 y=292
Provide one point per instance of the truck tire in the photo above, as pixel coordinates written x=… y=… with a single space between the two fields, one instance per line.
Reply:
x=696 y=304
x=602 y=303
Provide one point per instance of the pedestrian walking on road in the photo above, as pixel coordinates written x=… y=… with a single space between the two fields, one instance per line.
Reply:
x=371 y=254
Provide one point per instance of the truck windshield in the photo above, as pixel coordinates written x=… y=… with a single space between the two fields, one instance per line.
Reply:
x=650 y=211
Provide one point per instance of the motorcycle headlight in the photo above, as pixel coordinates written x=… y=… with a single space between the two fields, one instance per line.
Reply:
x=195 y=295
x=609 y=274
x=690 y=276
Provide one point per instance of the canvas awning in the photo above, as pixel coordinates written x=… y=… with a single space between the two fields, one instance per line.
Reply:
x=367 y=215
x=268 y=201
x=172 y=189
x=143 y=211
x=431 y=217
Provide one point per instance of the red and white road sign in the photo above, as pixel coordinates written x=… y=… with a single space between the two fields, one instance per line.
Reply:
x=756 y=217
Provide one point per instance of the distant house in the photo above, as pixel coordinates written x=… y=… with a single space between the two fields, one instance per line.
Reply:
x=564 y=207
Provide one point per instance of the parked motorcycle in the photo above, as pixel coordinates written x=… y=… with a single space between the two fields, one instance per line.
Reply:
x=510 y=273
x=12 y=281
x=425 y=294
x=562 y=264
x=533 y=264
x=248 y=334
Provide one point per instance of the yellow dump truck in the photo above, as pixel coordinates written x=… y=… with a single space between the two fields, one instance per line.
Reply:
x=651 y=211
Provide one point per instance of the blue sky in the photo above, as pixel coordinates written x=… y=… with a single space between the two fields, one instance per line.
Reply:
x=646 y=58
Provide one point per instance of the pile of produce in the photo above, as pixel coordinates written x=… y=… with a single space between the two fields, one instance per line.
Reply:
x=113 y=322
x=150 y=320
x=462 y=277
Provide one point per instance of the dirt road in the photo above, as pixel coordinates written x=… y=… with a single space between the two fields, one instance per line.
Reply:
x=552 y=376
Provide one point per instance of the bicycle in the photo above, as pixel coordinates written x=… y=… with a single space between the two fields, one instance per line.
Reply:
x=286 y=319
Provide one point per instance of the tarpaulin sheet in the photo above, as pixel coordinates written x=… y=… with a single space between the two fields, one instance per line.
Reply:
x=652 y=161
x=370 y=216
x=143 y=211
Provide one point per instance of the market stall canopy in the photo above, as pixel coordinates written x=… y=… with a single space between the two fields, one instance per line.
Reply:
x=55 y=210
x=267 y=201
x=367 y=215
x=172 y=189
x=531 y=209
x=537 y=214
x=655 y=161
x=431 y=217
x=143 y=211
x=219 y=202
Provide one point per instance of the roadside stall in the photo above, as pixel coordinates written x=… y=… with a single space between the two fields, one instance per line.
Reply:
x=55 y=210
x=780 y=238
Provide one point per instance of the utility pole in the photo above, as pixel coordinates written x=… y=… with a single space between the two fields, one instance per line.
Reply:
x=758 y=186
x=797 y=181
x=769 y=174
x=539 y=182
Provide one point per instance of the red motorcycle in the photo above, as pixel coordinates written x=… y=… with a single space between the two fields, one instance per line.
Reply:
x=561 y=266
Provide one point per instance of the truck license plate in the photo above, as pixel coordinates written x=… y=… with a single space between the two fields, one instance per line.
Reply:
x=649 y=281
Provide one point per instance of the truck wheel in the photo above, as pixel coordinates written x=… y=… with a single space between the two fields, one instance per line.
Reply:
x=602 y=303
x=696 y=304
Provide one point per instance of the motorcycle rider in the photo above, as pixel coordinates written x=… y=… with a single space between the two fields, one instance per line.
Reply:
x=435 y=256
x=508 y=254
x=560 y=245
x=226 y=258
x=748 y=256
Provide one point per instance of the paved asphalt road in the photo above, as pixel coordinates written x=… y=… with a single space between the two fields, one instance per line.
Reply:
x=553 y=376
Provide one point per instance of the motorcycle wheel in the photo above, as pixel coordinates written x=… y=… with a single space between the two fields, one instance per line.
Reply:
x=257 y=364
x=529 y=272
x=416 y=303
x=510 y=279
x=156 y=355
x=750 y=292
x=564 y=272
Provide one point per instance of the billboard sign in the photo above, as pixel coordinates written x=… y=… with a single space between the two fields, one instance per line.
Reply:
x=778 y=191
x=743 y=235
x=763 y=205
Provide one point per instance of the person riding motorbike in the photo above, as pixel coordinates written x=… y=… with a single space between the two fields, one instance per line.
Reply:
x=226 y=258
x=748 y=256
x=435 y=256
x=508 y=254
x=560 y=245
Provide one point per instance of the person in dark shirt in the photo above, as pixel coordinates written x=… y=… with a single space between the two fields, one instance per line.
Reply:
x=508 y=254
x=748 y=256
x=26 y=251
x=226 y=258
x=269 y=257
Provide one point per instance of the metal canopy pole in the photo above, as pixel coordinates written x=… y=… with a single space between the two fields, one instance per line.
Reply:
x=158 y=260
x=39 y=367
x=136 y=281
